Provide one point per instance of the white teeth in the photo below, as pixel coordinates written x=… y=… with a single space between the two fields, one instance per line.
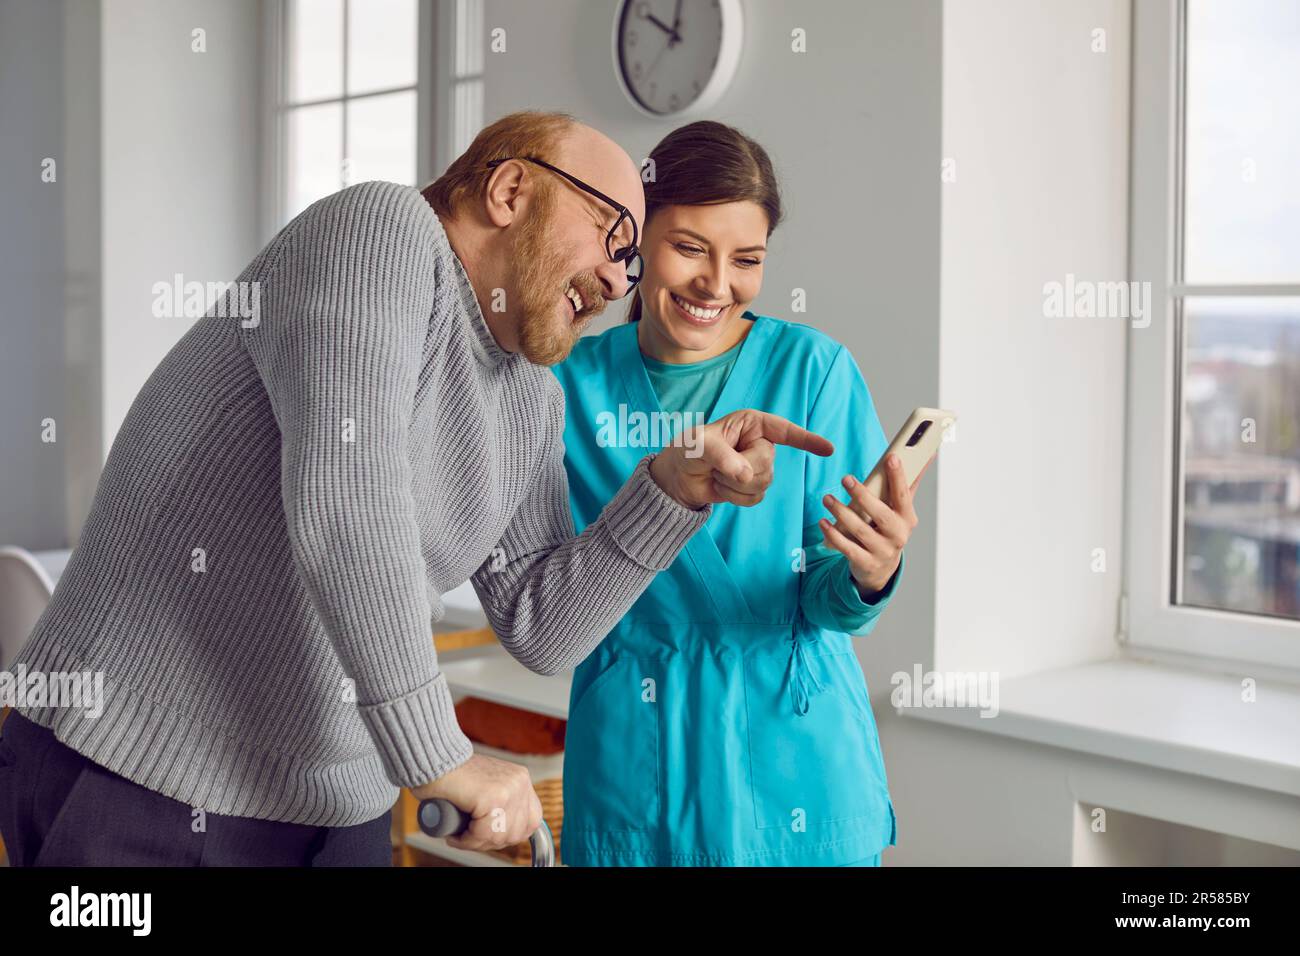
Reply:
x=575 y=298
x=697 y=312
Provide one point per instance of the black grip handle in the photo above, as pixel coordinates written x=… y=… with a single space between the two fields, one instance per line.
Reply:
x=442 y=818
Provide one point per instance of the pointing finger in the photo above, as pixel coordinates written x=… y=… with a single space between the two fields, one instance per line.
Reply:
x=783 y=432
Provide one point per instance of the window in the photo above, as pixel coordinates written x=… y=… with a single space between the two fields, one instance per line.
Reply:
x=1240 y=382
x=467 y=78
x=1214 y=442
x=349 y=97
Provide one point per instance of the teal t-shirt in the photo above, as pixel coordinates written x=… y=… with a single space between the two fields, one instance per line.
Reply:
x=694 y=387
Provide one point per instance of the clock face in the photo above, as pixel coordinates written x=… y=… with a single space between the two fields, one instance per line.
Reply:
x=673 y=55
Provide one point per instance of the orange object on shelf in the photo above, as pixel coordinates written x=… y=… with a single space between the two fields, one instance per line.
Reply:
x=510 y=728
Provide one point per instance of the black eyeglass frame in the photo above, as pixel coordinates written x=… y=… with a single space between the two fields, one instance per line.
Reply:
x=616 y=254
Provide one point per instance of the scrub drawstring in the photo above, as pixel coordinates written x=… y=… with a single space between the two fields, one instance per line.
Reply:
x=798 y=674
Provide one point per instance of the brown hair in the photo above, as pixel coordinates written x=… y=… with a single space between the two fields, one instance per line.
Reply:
x=526 y=133
x=708 y=163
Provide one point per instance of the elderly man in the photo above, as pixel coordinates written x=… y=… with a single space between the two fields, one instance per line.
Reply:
x=291 y=493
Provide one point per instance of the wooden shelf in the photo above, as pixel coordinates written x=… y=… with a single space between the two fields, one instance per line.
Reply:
x=435 y=846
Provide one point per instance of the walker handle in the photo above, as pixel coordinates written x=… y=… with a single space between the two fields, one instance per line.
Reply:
x=442 y=818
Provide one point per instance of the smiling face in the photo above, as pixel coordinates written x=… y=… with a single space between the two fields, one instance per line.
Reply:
x=547 y=289
x=563 y=274
x=703 y=267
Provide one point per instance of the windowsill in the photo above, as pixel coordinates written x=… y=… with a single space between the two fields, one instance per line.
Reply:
x=1150 y=714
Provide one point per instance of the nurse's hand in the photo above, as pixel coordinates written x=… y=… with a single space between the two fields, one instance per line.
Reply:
x=869 y=532
x=730 y=459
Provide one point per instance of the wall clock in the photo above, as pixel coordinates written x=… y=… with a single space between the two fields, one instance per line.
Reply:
x=674 y=57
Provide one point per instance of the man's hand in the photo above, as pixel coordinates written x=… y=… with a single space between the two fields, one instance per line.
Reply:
x=869 y=532
x=498 y=795
x=730 y=459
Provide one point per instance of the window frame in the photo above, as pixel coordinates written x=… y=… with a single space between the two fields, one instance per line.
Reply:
x=430 y=93
x=1151 y=623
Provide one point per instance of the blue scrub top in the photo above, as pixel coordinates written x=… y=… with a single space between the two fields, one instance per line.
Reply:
x=725 y=720
x=694 y=387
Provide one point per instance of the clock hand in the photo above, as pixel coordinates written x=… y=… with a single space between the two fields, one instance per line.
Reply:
x=659 y=57
x=671 y=31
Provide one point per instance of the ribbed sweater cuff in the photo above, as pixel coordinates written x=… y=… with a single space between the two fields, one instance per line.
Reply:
x=647 y=524
x=418 y=736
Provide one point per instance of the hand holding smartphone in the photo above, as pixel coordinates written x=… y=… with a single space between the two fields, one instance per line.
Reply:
x=915 y=444
x=872 y=530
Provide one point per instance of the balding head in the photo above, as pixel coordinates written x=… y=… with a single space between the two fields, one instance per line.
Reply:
x=559 y=139
x=601 y=163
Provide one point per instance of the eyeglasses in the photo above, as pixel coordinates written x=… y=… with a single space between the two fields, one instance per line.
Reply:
x=617 y=253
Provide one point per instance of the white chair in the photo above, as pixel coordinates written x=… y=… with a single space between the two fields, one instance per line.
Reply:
x=26 y=582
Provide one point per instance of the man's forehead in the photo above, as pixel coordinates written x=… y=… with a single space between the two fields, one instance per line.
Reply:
x=602 y=164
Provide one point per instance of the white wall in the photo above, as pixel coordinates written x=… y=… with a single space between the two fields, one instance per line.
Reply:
x=1037 y=125
x=969 y=798
x=852 y=126
x=181 y=165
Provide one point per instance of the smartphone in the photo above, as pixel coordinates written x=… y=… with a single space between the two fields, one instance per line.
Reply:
x=915 y=444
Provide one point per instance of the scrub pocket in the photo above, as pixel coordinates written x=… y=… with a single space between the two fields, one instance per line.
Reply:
x=820 y=766
x=611 y=753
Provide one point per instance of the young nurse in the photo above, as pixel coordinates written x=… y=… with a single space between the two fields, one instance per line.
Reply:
x=725 y=721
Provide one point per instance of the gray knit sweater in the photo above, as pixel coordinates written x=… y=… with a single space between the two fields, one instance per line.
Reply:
x=286 y=502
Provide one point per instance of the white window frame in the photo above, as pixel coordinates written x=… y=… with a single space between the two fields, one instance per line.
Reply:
x=466 y=87
x=1152 y=625
x=431 y=93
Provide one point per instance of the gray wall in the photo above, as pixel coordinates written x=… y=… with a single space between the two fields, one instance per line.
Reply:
x=181 y=170
x=32 y=473
x=158 y=152
x=82 y=433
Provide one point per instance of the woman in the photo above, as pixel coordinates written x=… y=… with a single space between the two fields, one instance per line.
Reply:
x=725 y=720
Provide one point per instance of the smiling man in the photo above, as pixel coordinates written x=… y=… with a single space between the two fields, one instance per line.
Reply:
x=288 y=498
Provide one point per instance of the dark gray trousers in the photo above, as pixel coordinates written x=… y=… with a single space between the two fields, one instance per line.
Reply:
x=58 y=808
